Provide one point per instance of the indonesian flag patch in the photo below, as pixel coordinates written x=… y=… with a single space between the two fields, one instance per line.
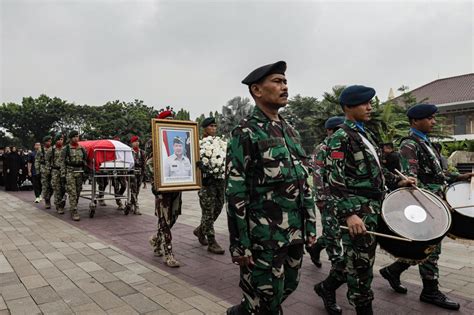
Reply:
x=337 y=155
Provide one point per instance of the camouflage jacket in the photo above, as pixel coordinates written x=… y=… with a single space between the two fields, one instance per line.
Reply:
x=420 y=159
x=270 y=204
x=139 y=160
x=321 y=187
x=355 y=176
x=73 y=159
x=53 y=159
x=40 y=161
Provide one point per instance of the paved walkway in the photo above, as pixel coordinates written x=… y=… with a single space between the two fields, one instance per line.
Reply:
x=104 y=265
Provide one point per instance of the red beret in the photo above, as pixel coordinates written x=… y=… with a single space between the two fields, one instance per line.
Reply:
x=165 y=114
x=133 y=139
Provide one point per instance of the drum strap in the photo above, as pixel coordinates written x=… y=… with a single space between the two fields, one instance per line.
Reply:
x=428 y=178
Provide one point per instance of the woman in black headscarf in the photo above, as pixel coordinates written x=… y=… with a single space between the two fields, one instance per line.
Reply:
x=12 y=164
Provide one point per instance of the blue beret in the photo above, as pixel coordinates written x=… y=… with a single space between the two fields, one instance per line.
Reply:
x=260 y=73
x=208 y=121
x=420 y=111
x=333 y=122
x=354 y=95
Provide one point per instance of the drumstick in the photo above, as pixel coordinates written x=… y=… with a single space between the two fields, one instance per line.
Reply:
x=421 y=191
x=382 y=235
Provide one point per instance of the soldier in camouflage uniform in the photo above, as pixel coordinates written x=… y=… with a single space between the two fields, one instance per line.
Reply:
x=270 y=206
x=211 y=198
x=54 y=162
x=357 y=182
x=40 y=164
x=421 y=159
x=331 y=235
x=139 y=168
x=74 y=161
x=167 y=209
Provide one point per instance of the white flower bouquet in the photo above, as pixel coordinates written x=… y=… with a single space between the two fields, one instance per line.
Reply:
x=212 y=152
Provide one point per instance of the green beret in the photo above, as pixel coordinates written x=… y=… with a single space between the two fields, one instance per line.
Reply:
x=177 y=140
x=208 y=121
x=57 y=137
x=73 y=134
x=46 y=138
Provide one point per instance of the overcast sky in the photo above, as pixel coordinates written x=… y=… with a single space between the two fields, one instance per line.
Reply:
x=193 y=54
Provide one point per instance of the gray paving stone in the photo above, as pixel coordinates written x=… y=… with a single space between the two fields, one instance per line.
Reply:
x=107 y=300
x=41 y=263
x=61 y=283
x=13 y=292
x=44 y=295
x=89 y=266
x=32 y=282
x=171 y=303
x=148 y=289
x=74 y=297
x=89 y=285
x=49 y=273
x=55 y=308
x=9 y=278
x=88 y=309
x=23 y=306
x=3 y=306
x=141 y=303
x=120 y=288
x=76 y=274
x=129 y=276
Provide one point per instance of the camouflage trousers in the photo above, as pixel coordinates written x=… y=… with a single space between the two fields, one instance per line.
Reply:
x=119 y=184
x=211 y=199
x=167 y=209
x=59 y=189
x=135 y=183
x=331 y=240
x=428 y=269
x=46 y=188
x=272 y=279
x=73 y=188
x=359 y=258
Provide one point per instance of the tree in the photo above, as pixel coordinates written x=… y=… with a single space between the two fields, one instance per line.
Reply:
x=232 y=113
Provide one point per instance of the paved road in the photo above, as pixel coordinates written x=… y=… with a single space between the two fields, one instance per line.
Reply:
x=205 y=283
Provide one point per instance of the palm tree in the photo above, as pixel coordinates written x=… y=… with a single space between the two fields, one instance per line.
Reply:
x=232 y=113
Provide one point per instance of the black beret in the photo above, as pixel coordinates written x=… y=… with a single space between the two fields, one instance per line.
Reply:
x=208 y=121
x=355 y=95
x=47 y=138
x=177 y=140
x=73 y=134
x=333 y=122
x=420 y=111
x=260 y=73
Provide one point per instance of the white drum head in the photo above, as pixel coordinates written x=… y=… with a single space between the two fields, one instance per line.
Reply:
x=460 y=195
x=409 y=213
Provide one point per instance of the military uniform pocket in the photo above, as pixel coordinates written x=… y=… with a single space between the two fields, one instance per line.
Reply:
x=275 y=162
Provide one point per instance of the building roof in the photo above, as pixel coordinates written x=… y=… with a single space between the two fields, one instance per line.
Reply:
x=445 y=91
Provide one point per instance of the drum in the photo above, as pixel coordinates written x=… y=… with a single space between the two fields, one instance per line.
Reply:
x=408 y=213
x=460 y=198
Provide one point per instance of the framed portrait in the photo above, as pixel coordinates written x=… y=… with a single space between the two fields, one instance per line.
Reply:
x=175 y=153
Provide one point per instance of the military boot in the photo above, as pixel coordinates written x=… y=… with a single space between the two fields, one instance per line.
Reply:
x=47 y=204
x=214 y=247
x=75 y=216
x=102 y=203
x=329 y=298
x=392 y=275
x=136 y=210
x=365 y=309
x=120 y=205
x=432 y=295
x=201 y=237
x=238 y=309
x=60 y=210
x=315 y=254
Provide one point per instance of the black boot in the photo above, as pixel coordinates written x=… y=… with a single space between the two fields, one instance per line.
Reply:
x=315 y=254
x=392 y=274
x=327 y=291
x=237 y=310
x=365 y=309
x=432 y=295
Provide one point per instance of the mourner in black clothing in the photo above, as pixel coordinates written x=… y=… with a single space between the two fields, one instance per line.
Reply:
x=12 y=164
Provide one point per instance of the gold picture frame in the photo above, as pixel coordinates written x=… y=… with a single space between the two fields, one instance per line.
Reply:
x=175 y=153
